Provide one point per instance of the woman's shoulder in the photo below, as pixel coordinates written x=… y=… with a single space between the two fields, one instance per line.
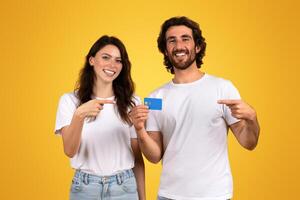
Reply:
x=136 y=99
x=69 y=98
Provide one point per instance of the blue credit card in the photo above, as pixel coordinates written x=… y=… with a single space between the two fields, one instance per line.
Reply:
x=153 y=103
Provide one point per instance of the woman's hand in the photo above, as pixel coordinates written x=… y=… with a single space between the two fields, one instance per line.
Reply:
x=138 y=116
x=92 y=108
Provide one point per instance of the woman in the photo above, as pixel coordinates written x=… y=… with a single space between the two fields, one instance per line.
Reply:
x=96 y=129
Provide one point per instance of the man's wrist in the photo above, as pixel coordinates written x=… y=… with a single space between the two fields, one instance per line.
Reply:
x=252 y=116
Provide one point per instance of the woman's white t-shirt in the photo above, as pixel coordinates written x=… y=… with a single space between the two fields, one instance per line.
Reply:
x=105 y=147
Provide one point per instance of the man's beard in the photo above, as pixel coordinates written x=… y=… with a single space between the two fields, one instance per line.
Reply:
x=182 y=65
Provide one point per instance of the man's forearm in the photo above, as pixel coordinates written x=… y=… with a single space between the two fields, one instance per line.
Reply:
x=150 y=148
x=250 y=133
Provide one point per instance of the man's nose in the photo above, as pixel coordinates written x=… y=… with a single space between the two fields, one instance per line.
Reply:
x=179 y=45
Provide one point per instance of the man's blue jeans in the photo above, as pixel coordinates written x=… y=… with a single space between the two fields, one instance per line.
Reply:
x=164 y=198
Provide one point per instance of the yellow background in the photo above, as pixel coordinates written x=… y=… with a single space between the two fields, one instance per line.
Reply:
x=43 y=43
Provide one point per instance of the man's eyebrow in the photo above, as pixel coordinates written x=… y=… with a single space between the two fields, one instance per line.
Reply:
x=171 y=37
x=182 y=36
x=186 y=36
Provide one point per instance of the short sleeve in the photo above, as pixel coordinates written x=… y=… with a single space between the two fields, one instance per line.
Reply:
x=65 y=111
x=132 y=132
x=152 y=124
x=229 y=92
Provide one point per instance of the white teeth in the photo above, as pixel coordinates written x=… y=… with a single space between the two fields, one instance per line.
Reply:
x=179 y=54
x=109 y=72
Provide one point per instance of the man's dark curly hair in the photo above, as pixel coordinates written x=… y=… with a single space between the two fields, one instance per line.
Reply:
x=197 y=36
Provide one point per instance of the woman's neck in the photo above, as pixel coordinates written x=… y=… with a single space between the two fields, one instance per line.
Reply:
x=103 y=90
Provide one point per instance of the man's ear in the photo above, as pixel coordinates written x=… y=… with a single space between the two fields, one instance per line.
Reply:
x=166 y=54
x=198 y=49
x=91 y=61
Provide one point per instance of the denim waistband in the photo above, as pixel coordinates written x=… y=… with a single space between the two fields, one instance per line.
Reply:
x=90 y=178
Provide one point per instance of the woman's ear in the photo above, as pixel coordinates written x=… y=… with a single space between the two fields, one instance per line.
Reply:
x=91 y=61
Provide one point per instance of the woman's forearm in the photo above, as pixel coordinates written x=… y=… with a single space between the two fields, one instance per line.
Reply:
x=72 y=135
x=139 y=172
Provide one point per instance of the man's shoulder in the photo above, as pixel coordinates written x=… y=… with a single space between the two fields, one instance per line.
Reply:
x=216 y=79
x=160 y=89
x=221 y=84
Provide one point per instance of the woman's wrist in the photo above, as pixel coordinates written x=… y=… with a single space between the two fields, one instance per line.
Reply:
x=79 y=114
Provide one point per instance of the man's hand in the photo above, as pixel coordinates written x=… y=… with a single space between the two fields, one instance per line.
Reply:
x=239 y=109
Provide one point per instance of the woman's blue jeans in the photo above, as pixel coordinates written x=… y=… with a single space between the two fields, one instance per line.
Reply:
x=91 y=187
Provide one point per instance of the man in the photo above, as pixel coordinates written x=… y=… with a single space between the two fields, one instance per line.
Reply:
x=189 y=134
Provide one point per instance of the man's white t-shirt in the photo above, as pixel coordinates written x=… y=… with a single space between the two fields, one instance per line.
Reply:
x=194 y=129
x=105 y=147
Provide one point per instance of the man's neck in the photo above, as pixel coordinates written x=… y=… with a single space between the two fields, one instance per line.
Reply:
x=188 y=75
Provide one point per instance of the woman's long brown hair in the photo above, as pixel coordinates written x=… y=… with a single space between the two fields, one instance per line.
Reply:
x=123 y=86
